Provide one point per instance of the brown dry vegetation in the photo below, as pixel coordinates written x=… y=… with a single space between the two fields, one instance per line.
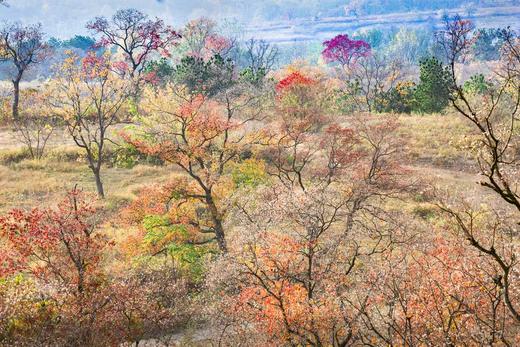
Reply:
x=434 y=146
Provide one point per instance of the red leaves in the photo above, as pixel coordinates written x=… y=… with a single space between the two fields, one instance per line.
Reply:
x=338 y=144
x=94 y=66
x=295 y=79
x=120 y=67
x=23 y=45
x=217 y=44
x=151 y=200
x=446 y=292
x=54 y=244
x=344 y=50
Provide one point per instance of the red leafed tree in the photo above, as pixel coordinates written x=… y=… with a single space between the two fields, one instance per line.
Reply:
x=294 y=80
x=367 y=74
x=56 y=244
x=200 y=38
x=300 y=104
x=61 y=249
x=23 y=46
x=344 y=50
x=135 y=35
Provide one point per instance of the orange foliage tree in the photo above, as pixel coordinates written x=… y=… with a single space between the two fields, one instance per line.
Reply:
x=202 y=135
x=435 y=291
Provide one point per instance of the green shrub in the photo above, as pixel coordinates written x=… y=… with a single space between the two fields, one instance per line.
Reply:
x=249 y=173
x=477 y=84
x=173 y=239
x=399 y=99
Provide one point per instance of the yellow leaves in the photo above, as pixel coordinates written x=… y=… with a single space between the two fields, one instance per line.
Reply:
x=163 y=103
x=249 y=173
x=35 y=103
x=86 y=87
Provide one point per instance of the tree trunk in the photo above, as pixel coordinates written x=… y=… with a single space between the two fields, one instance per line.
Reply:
x=99 y=184
x=16 y=97
x=219 y=232
x=217 y=223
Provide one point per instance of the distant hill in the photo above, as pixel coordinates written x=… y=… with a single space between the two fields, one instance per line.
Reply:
x=319 y=28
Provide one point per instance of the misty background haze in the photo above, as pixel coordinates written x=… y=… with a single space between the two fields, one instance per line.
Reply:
x=66 y=18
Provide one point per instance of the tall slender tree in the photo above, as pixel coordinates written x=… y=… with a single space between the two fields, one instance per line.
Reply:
x=90 y=98
x=22 y=46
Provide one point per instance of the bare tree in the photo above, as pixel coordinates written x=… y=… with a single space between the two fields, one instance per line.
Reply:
x=261 y=56
x=36 y=123
x=135 y=35
x=495 y=116
x=370 y=77
x=23 y=46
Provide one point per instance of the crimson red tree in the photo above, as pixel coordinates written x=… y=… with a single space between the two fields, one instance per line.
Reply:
x=344 y=50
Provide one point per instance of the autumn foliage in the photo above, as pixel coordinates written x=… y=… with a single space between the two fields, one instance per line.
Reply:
x=344 y=50
x=263 y=205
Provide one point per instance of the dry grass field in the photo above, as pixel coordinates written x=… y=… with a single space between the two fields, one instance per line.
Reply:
x=433 y=144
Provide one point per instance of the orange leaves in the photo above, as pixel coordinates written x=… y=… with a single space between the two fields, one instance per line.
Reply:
x=192 y=131
x=267 y=312
x=91 y=66
x=158 y=200
x=171 y=213
x=339 y=145
x=204 y=122
x=151 y=200
x=182 y=129
x=190 y=108
x=445 y=292
x=284 y=296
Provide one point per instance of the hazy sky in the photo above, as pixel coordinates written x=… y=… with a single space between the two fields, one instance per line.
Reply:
x=65 y=18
